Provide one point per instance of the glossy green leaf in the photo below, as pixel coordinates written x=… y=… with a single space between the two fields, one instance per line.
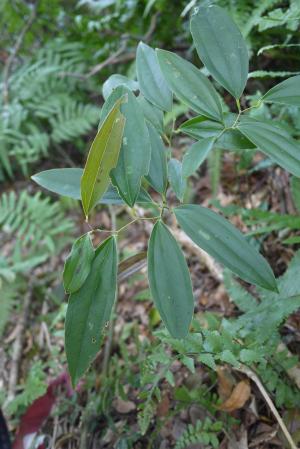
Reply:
x=200 y=128
x=190 y=85
x=102 y=158
x=221 y=47
x=63 y=181
x=196 y=155
x=170 y=281
x=274 y=141
x=226 y=244
x=118 y=80
x=177 y=181
x=152 y=114
x=135 y=152
x=78 y=264
x=66 y=182
x=89 y=310
x=286 y=92
x=151 y=80
x=157 y=175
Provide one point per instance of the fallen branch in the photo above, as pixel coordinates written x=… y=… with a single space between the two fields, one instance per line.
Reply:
x=15 y=50
x=18 y=345
x=253 y=376
x=117 y=57
x=214 y=268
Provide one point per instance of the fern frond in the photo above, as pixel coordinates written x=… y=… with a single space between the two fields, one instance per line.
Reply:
x=41 y=97
x=256 y=15
x=202 y=432
x=72 y=120
x=34 y=221
x=9 y=292
x=263 y=318
x=34 y=387
x=271 y=74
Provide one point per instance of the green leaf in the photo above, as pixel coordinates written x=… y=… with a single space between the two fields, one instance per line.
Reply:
x=157 y=175
x=89 y=309
x=225 y=243
x=170 y=281
x=249 y=356
x=118 y=80
x=152 y=114
x=292 y=240
x=200 y=128
x=221 y=47
x=286 y=92
x=228 y=357
x=102 y=158
x=275 y=142
x=196 y=155
x=145 y=416
x=190 y=85
x=66 y=182
x=170 y=378
x=78 y=264
x=189 y=363
x=135 y=151
x=152 y=82
x=295 y=190
x=177 y=181
x=63 y=181
x=208 y=360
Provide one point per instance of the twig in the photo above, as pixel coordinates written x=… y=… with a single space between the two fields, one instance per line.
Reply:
x=127 y=270
x=252 y=375
x=117 y=57
x=18 y=345
x=109 y=341
x=151 y=28
x=15 y=50
x=110 y=60
x=214 y=268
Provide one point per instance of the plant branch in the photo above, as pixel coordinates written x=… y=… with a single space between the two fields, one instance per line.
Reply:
x=15 y=50
x=253 y=376
x=18 y=345
x=117 y=57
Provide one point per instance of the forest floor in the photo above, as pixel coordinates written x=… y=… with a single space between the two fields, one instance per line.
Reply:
x=103 y=411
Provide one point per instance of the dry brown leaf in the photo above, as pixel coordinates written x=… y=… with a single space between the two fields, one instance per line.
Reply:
x=240 y=441
x=239 y=396
x=123 y=406
x=163 y=406
x=225 y=383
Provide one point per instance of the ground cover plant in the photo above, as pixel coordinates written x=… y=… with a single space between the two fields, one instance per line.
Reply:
x=133 y=380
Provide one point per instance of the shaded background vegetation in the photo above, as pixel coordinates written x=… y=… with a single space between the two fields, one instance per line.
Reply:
x=55 y=57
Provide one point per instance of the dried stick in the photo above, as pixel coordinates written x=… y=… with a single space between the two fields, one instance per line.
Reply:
x=214 y=268
x=18 y=345
x=117 y=57
x=252 y=375
x=15 y=50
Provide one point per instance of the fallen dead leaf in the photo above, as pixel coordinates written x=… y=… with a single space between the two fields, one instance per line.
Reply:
x=123 y=406
x=163 y=406
x=239 y=396
x=225 y=383
x=240 y=441
x=264 y=434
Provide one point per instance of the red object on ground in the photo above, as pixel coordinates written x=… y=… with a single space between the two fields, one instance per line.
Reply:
x=39 y=411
